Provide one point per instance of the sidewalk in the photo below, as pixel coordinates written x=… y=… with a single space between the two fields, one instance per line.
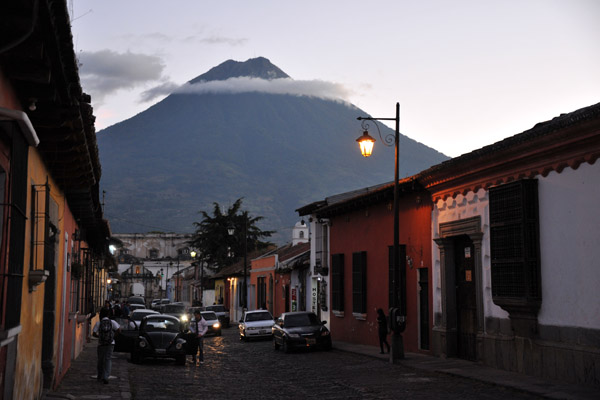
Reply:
x=80 y=381
x=480 y=372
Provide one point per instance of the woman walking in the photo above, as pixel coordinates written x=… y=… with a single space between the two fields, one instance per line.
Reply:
x=383 y=330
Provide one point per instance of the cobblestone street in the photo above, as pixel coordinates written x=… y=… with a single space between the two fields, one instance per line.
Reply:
x=254 y=370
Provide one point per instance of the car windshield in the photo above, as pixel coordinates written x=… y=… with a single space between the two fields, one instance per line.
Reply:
x=216 y=308
x=209 y=315
x=154 y=324
x=259 y=316
x=301 y=320
x=173 y=308
x=135 y=300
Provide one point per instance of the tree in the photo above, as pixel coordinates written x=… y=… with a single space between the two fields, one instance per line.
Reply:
x=216 y=246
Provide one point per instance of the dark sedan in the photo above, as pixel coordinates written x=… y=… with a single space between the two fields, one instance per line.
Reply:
x=300 y=329
x=159 y=336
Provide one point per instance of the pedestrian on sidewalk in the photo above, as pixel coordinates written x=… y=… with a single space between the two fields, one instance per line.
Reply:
x=105 y=331
x=199 y=327
x=382 y=329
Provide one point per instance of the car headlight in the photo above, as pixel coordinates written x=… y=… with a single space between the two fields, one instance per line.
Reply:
x=325 y=333
x=216 y=325
x=178 y=346
x=184 y=318
x=293 y=334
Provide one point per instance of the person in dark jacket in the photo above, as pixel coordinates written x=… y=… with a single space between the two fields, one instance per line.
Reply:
x=383 y=330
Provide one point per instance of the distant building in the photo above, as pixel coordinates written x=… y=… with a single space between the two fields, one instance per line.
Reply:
x=157 y=261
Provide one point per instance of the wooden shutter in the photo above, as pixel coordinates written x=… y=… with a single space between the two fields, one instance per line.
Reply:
x=359 y=282
x=337 y=282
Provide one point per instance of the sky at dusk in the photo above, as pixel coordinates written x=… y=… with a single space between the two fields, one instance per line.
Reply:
x=467 y=73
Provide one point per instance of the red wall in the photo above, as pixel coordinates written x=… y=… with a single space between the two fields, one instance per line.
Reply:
x=370 y=229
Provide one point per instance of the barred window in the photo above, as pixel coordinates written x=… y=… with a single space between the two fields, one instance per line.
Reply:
x=337 y=282
x=514 y=241
x=359 y=282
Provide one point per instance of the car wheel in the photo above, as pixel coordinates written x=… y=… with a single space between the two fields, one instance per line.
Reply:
x=286 y=346
x=328 y=346
x=180 y=360
x=218 y=333
x=275 y=344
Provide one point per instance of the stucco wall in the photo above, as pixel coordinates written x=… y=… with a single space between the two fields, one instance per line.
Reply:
x=453 y=209
x=570 y=247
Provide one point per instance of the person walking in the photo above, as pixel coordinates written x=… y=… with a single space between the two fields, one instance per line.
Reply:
x=199 y=327
x=105 y=331
x=383 y=330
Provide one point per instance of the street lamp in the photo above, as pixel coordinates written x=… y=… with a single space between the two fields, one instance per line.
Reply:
x=231 y=231
x=196 y=263
x=399 y=274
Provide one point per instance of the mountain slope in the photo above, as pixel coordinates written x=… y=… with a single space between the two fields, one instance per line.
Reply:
x=278 y=152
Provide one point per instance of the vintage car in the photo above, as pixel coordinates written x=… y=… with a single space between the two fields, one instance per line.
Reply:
x=300 y=329
x=157 y=336
x=256 y=324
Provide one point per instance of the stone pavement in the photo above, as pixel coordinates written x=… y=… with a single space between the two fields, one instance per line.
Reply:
x=482 y=373
x=80 y=382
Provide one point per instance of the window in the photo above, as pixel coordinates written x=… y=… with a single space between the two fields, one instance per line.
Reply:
x=337 y=282
x=153 y=254
x=359 y=282
x=514 y=245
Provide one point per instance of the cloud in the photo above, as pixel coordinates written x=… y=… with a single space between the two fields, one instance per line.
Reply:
x=104 y=72
x=315 y=88
x=223 y=40
x=163 y=89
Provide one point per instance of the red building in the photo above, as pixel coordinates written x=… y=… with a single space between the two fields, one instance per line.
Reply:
x=276 y=283
x=361 y=276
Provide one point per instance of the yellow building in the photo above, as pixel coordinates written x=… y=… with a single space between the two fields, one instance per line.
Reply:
x=53 y=237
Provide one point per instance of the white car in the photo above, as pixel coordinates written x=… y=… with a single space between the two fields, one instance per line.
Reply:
x=256 y=324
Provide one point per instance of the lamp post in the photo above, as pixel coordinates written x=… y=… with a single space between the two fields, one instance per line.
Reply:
x=196 y=263
x=231 y=231
x=399 y=274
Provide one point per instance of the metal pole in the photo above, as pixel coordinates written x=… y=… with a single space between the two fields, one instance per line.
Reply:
x=245 y=306
x=397 y=341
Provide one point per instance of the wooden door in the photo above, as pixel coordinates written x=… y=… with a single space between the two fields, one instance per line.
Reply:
x=466 y=303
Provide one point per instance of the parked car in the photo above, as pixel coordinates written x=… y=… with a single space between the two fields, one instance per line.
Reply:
x=300 y=329
x=136 y=300
x=159 y=306
x=133 y=307
x=214 y=326
x=159 y=336
x=222 y=314
x=177 y=310
x=137 y=315
x=256 y=324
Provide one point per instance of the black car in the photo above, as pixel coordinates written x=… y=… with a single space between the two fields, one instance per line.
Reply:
x=300 y=329
x=158 y=336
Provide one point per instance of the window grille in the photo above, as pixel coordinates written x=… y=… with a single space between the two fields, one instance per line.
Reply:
x=514 y=242
x=337 y=282
x=359 y=282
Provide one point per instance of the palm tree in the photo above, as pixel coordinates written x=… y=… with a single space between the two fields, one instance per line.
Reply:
x=217 y=248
